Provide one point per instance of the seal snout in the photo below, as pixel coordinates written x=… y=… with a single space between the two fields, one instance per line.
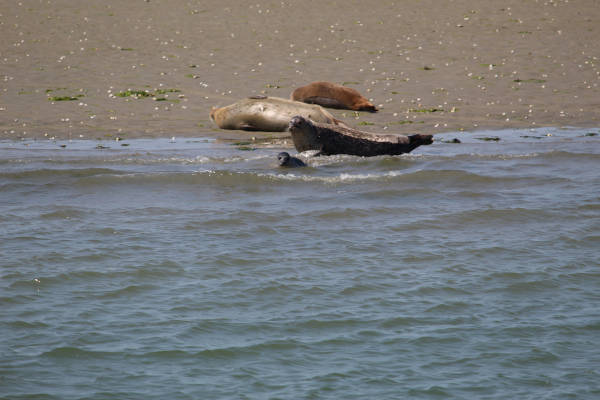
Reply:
x=283 y=158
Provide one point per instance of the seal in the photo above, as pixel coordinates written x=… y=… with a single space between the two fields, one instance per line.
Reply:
x=329 y=94
x=268 y=114
x=331 y=139
x=285 y=160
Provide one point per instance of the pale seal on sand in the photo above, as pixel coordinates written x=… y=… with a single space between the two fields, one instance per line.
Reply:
x=329 y=94
x=285 y=160
x=268 y=114
x=331 y=139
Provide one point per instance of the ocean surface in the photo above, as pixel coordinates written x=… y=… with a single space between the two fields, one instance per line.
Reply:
x=198 y=269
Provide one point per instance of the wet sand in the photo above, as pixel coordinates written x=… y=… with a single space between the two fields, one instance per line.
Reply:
x=430 y=66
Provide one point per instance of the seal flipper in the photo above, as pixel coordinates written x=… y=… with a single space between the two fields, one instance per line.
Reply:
x=368 y=107
x=325 y=102
x=248 y=127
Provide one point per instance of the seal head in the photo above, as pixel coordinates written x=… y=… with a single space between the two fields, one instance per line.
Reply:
x=285 y=160
x=299 y=122
x=304 y=134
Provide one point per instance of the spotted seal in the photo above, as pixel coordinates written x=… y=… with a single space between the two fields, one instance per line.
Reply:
x=331 y=139
x=329 y=94
x=285 y=160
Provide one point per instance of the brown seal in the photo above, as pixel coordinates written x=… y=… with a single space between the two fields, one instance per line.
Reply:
x=331 y=139
x=329 y=94
x=267 y=114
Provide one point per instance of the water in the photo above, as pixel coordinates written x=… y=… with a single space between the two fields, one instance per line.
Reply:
x=190 y=269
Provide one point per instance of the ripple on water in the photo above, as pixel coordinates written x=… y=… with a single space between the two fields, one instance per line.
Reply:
x=460 y=272
x=76 y=353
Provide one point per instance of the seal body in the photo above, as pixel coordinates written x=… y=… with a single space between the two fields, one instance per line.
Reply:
x=269 y=114
x=329 y=94
x=330 y=139
x=285 y=160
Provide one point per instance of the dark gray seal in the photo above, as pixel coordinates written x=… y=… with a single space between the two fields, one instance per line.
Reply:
x=331 y=139
x=285 y=160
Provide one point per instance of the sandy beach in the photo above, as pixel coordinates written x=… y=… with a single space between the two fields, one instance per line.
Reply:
x=98 y=70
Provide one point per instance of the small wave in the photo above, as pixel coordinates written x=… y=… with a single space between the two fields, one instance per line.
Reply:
x=16 y=186
x=559 y=155
x=131 y=290
x=344 y=177
x=378 y=171
x=168 y=354
x=341 y=213
x=590 y=206
x=445 y=291
x=432 y=391
x=591 y=326
x=226 y=353
x=150 y=270
x=28 y=325
x=241 y=178
x=46 y=173
x=185 y=160
x=439 y=339
x=7 y=301
x=528 y=287
x=387 y=161
x=534 y=356
x=77 y=353
x=65 y=213
x=330 y=324
x=402 y=322
x=31 y=396
x=448 y=307
x=505 y=216
x=422 y=177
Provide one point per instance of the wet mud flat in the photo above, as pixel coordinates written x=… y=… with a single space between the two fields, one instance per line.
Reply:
x=154 y=69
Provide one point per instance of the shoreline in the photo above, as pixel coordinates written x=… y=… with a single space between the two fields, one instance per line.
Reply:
x=426 y=125
x=431 y=67
x=258 y=139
